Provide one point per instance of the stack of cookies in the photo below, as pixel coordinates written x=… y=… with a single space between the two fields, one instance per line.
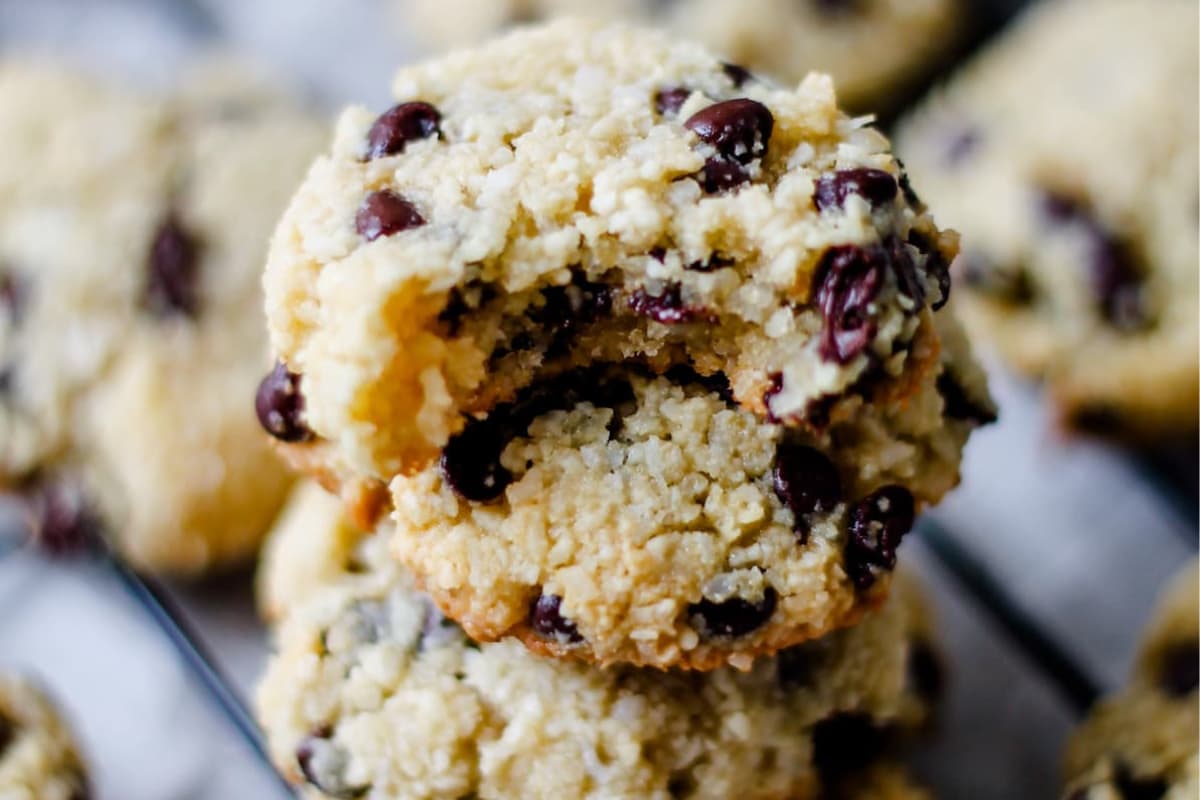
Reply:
x=629 y=371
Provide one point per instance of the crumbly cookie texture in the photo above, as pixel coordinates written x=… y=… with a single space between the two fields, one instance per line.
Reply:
x=648 y=519
x=1144 y=741
x=374 y=694
x=544 y=227
x=874 y=49
x=38 y=757
x=130 y=321
x=1076 y=197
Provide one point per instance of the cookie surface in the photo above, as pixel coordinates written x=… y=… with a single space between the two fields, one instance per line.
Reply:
x=38 y=757
x=373 y=693
x=130 y=322
x=873 y=49
x=1077 y=203
x=576 y=201
x=1144 y=741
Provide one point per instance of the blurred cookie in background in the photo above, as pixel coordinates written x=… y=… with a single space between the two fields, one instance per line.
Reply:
x=874 y=49
x=1066 y=156
x=38 y=756
x=1143 y=741
x=132 y=231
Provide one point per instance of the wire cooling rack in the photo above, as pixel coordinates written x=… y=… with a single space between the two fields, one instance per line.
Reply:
x=1042 y=565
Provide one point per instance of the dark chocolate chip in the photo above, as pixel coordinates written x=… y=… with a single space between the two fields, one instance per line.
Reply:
x=400 y=125
x=667 y=307
x=806 y=481
x=8 y=732
x=64 y=523
x=846 y=283
x=721 y=175
x=717 y=383
x=681 y=785
x=960 y=406
x=731 y=618
x=740 y=130
x=935 y=265
x=669 y=101
x=836 y=7
x=545 y=615
x=1115 y=277
x=737 y=73
x=905 y=270
x=470 y=462
x=323 y=765
x=906 y=188
x=172 y=271
x=713 y=263
x=877 y=524
x=959 y=145
x=797 y=667
x=1179 y=668
x=1012 y=286
x=1132 y=787
x=385 y=213
x=875 y=186
x=13 y=296
x=845 y=743
x=280 y=405
x=926 y=675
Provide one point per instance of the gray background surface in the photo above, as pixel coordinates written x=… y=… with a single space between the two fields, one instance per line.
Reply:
x=1075 y=531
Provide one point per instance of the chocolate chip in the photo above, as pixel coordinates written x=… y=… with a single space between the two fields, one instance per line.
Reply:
x=545 y=616
x=12 y=296
x=172 y=271
x=875 y=186
x=845 y=743
x=910 y=195
x=959 y=145
x=925 y=673
x=905 y=270
x=566 y=309
x=737 y=73
x=1131 y=787
x=721 y=175
x=797 y=667
x=400 y=125
x=958 y=405
x=1012 y=286
x=713 y=263
x=806 y=481
x=836 y=7
x=470 y=462
x=846 y=282
x=731 y=618
x=8 y=732
x=64 y=523
x=385 y=213
x=471 y=465
x=877 y=524
x=280 y=405
x=667 y=307
x=935 y=265
x=740 y=130
x=669 y=101
x=1179 y=667
x=1115 y=277
x=717 y=383
x=323 y=765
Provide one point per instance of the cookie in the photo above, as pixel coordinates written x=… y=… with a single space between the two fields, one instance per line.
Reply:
x=38 y=757
x=132 y=232
x=883 y=780
x=373 y=693
x=550 y=225
x=1144 y=741
x=1067 y=160
x=874 y=49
